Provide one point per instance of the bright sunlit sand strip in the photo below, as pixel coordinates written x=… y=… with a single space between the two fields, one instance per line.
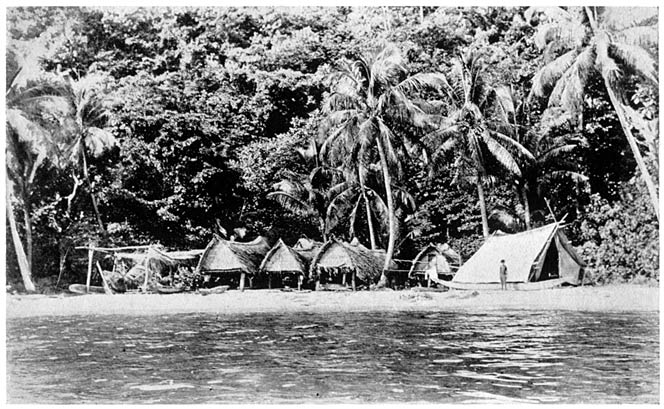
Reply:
x=609 y=298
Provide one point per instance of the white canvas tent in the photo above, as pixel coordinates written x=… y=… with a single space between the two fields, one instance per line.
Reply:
x=538 y=258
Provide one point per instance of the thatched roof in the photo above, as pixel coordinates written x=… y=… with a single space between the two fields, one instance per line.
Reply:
x=334 y=253
x=444 y=258
x=224 y=256
x=283 y=258
x=524 y=254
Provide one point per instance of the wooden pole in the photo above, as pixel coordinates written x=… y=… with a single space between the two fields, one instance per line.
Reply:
x=91 y=254
x=107 y=288
x=242 y=276
x=147 y=270
x=269 y=281
x=300 y=279
x=112 y=248
x=353 y=278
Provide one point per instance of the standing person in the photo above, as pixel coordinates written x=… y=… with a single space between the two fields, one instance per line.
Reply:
x=503 y=275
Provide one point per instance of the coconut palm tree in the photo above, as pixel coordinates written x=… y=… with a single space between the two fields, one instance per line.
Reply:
x=29 y=144
x=348 y=197
x=364 y=190
x=604 y=40
x=475 y=127
x=84 y=130
x=551 y=163
x=368 y=93
x=306 y=196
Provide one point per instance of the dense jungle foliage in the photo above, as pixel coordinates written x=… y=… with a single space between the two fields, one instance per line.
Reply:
x=401 y=126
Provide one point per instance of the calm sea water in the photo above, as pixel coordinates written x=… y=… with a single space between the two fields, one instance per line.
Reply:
x=455 y=357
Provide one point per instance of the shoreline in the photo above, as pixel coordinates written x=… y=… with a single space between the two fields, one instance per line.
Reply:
x=610 y=298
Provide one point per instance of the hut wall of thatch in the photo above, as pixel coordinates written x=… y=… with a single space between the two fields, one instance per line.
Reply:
x=335 y=254
x=224 y=256
x=282 y=258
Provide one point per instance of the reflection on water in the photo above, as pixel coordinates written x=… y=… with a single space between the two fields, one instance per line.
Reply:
x=513 y=356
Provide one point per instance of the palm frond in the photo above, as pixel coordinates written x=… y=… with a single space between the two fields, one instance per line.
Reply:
x=506 y=141
x=340 y=101
x=551 y=156
x=421 y=81
x=338 y=189
x=98 y=140
x=28 y=131
x=502 y=155
x=569 y=90
x=637 y=58
x=619 y=18
x=505 y=101
x=548 y=75
x=639 y=36
x=291 y=203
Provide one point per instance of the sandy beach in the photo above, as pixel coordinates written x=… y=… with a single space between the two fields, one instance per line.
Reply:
x=608 y=298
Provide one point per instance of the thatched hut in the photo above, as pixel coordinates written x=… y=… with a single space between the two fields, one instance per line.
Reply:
x=437 y=260
x=336 y=260
x=283 y=263
x=233 y=260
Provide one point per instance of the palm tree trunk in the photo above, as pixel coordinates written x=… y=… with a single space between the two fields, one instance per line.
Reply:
x=92 y=195
x=372 y=236
x=24 y=267
x=645 y=174
x=485 y=219
x=390 y=211
x=526 y=206
x=27 y=220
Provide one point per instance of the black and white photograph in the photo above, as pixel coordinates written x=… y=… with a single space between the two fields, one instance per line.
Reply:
x=331 y=204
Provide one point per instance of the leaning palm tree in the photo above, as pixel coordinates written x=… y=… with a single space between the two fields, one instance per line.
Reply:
x=368 y=93
x=85 y=131
x=475 y=128
x=602 y=40
x=29 y=144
